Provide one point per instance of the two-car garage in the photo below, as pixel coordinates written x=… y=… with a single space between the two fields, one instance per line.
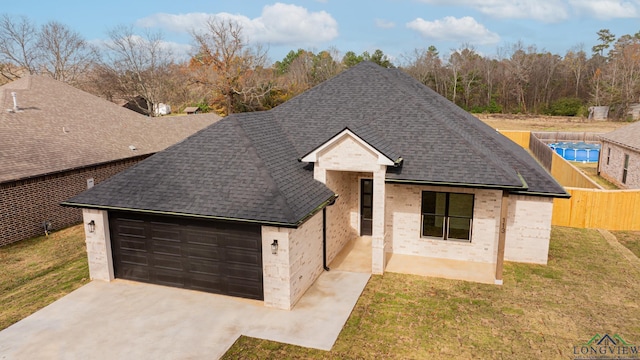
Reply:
x=205 y=255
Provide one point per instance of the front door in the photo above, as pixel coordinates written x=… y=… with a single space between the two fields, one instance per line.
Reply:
x=366 y=206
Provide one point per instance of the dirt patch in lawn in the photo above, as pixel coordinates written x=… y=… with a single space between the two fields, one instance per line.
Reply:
x=38 y=271
x=541 y=312
x=630 y=239
x=547 y=123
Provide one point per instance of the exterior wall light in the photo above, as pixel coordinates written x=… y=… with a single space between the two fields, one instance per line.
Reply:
x=92 y=226
x=274 y=247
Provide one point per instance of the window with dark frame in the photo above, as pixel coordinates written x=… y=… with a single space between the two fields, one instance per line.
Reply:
x=625 y=168
x=608 y=155
x=447 y=216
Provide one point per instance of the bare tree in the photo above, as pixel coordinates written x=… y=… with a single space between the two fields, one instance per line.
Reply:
x=235 y=70
x=64 y=54
x=18 y=50
x=137 y=65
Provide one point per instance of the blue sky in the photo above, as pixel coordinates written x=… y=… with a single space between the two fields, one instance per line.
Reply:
x=395 y=26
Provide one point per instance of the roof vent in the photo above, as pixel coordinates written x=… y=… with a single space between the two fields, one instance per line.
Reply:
x=15 y=108
x=132 y=148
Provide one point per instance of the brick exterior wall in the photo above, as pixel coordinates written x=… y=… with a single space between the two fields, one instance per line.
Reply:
x=613 y=170
x=528 y=229
x=404 y=221
x=297 y=264
x=343 y=218
x=26 y=204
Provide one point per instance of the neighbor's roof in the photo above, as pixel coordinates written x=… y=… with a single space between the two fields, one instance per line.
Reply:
x=245 y=167
x=58 y=127
x=628 y=136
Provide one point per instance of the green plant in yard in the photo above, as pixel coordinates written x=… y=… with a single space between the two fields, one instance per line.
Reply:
x=38 y=271
x=540 y=312
x=630 y=239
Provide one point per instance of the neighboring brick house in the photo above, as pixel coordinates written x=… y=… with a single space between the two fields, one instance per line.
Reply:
x=258 y=204
x=56 y=140
x=620 y=156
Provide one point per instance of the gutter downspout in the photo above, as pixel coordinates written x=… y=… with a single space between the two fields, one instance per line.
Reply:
x=324 y=239
x=324 y=234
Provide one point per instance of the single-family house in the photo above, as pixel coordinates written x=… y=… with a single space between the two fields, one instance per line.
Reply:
x=620 y=156
x=56 y=141
x=259 y=204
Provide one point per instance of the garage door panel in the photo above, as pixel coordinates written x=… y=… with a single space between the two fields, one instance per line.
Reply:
x=244 y=272
x=135 y=273
x=203 y=252
x=168 y=262
x=134 y=258
x=196 y=254
x=166 y=248
x=240 y=256
x=133 y=244
x=204 y=267
x=169 y=278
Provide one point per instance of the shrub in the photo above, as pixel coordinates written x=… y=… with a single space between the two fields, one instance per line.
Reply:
x=565 y=107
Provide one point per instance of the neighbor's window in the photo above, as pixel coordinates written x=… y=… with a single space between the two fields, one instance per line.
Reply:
x=447 y=216
x=608 y=155
x=625 y=168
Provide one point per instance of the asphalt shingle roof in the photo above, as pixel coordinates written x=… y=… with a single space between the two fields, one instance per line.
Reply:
x=58 y=127
x=628 y=136
x=245 y=167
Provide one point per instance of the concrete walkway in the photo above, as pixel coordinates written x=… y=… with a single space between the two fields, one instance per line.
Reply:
x=128 y=320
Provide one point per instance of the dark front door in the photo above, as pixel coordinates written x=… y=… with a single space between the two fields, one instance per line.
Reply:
x=366 y=206
x=222 y=258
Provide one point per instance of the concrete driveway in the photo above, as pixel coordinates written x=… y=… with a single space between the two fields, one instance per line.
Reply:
x=128 y=320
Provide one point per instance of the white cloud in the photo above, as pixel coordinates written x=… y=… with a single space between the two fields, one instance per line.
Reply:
x=301 y=27
x=465 y=29
x=542 y=10
x=606 y=9
x=384 y=24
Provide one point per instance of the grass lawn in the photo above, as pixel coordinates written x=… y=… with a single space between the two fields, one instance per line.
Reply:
x=541 y=312
x=630 y=239
x=548 y=123
x=591 y=170
x=38 y=271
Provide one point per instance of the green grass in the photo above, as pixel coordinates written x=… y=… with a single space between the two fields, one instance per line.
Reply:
x=38 y=271
x=540 y=312
x=591 y=170
x=630 y=239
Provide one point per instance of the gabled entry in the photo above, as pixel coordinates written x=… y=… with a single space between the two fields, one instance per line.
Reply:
x=366 y=206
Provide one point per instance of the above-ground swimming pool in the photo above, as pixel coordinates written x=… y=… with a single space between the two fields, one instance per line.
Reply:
x=580 y=151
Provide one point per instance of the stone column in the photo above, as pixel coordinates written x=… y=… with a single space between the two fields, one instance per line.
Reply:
x=98 y=244
x=378 y=236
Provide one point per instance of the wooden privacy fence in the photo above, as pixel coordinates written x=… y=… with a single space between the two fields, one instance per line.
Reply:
x=590 y=206
x=596 y=208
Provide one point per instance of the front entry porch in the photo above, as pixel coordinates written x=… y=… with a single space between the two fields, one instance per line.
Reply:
x=354 y=257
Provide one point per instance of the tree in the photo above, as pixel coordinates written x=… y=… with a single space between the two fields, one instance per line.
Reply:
x=54 y=50
x=605 y=38
x=18 y=53
x=425 y=65
x=64 y=54
x=350 y=59
x=378 y=57
x=234 y=70
x=137 y=65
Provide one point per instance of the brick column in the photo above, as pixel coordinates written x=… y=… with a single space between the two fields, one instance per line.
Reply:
x=377 y=237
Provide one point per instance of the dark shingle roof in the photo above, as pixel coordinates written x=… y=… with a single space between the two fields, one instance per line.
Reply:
x=58 y=127
x=245 y=167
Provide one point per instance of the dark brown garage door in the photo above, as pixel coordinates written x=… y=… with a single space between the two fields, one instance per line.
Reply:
x=210 y=256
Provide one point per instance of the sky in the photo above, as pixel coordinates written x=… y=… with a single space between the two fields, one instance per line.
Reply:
x=397 y=27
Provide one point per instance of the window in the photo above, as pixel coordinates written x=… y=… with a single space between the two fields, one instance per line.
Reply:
x=608 y=155
x=447 y=216
x=625 y=168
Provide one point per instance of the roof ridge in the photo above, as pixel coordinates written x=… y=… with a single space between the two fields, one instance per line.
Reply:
x=251 y=146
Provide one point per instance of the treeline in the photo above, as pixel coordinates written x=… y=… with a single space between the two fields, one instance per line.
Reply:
x=227 y=74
